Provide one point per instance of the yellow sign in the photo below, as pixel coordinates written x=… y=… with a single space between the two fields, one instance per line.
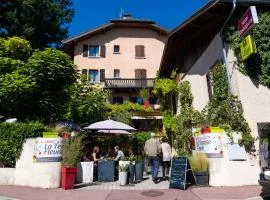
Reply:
x=247 y=47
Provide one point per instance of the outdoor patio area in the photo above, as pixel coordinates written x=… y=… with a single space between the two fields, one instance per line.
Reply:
x=146 y=184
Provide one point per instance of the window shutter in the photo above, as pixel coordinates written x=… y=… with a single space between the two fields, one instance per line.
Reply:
x=139 y=51
x=142 y=51
x=102 y=51
x=84 y=71
x=102 y=75
x=85 y=50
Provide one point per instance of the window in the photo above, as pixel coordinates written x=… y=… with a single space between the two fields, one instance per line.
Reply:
x=116 y=49
x=118 y=100
x=93 y=76
x=139 y=51
x=94 y=51
x=133 y=99
x=102 y=75
x=85 y=50
x=209 y=86
x=116 y=73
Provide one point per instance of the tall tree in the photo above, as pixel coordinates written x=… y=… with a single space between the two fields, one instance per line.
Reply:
x=33 y=85
x=42 y=22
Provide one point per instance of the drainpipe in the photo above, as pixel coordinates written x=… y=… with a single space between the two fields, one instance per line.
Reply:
x=224 y=50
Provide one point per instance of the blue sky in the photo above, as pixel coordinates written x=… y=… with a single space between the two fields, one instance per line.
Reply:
x=167 y=13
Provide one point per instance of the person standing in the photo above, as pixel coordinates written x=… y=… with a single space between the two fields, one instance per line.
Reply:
x=166 y=157
x=120 y=155
x=152 y=149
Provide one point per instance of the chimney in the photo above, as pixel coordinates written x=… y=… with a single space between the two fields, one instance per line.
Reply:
x=126 y=16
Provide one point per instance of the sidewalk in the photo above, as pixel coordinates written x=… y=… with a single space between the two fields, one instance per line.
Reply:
x=194 y=193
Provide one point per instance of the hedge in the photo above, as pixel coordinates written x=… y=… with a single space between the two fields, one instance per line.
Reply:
x=12 y=137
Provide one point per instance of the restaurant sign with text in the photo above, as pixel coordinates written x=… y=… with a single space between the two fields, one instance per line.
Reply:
x=48 y=150
x=249 y=19
x=247 y=47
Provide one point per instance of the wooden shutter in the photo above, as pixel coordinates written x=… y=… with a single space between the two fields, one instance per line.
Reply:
x=102 y=51
x=84 y=71
x=102 y=75
x=139 y=51
x=140 y=73
x=85 y=50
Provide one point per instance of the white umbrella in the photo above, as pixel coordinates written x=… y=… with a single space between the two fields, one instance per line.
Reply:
x=109 y=125
x=115 y=132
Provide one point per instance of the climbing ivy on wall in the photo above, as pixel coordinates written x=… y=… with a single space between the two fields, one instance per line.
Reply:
x=256 y=67
x=184 y=122
x=225 y=110
x=165 y=90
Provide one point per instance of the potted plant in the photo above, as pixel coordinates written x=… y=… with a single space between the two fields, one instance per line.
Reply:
x=123 y=174
x=131 y=169
x=71 y=153
x=145 y=94
x=200 y=166
x=139 y=168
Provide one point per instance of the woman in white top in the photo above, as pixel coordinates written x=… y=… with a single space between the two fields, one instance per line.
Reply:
x=166 y=157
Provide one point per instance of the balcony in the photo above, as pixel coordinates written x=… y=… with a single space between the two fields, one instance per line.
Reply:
x=129 y=83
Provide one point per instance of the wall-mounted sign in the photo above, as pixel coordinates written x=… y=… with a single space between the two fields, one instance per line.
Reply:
x=210 y=144
x=48 y=150
x=248 y=20
x=247 y=47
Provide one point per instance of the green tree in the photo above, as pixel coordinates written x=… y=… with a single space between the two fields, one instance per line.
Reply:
x=33 y=85
x=88 y=104
x=42 y=22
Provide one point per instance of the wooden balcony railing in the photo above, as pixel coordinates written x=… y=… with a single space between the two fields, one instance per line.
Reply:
x=129 y=83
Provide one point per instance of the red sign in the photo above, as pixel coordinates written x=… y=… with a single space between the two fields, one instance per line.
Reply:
x=249 y=19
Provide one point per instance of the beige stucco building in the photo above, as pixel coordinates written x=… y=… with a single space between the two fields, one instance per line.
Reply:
x=123 y=55
x=202 y=48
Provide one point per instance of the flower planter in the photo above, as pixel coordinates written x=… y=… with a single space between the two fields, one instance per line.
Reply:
x=131 y=170
x=85 y=172
x=121 y=163
x=106 y=171
x=202 y=178
x=68 y=176
x=123 y=178
x=139 y=166
x=146 y=103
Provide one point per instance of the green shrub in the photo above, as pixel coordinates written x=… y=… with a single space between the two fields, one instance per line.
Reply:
x=12 y=137
x=129 y=107
x=199 y=162
x=71 y=151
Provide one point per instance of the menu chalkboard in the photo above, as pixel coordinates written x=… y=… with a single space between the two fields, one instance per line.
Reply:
x=181 y=173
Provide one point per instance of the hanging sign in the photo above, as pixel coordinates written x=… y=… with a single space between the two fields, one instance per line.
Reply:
x=247 y=47
x=248 y=20
x=48 y=150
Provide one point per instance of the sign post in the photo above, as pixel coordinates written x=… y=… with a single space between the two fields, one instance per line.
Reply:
x=248 y=20
x=247 y=47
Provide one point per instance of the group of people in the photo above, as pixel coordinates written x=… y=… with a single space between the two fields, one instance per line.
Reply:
x=98 y=155
x=157 y=152
x=154 y=150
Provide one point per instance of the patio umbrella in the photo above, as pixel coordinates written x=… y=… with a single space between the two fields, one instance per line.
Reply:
x=109 y=125
x=123 y=132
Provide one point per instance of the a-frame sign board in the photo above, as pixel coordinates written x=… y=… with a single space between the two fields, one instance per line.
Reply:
x=181 y=174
